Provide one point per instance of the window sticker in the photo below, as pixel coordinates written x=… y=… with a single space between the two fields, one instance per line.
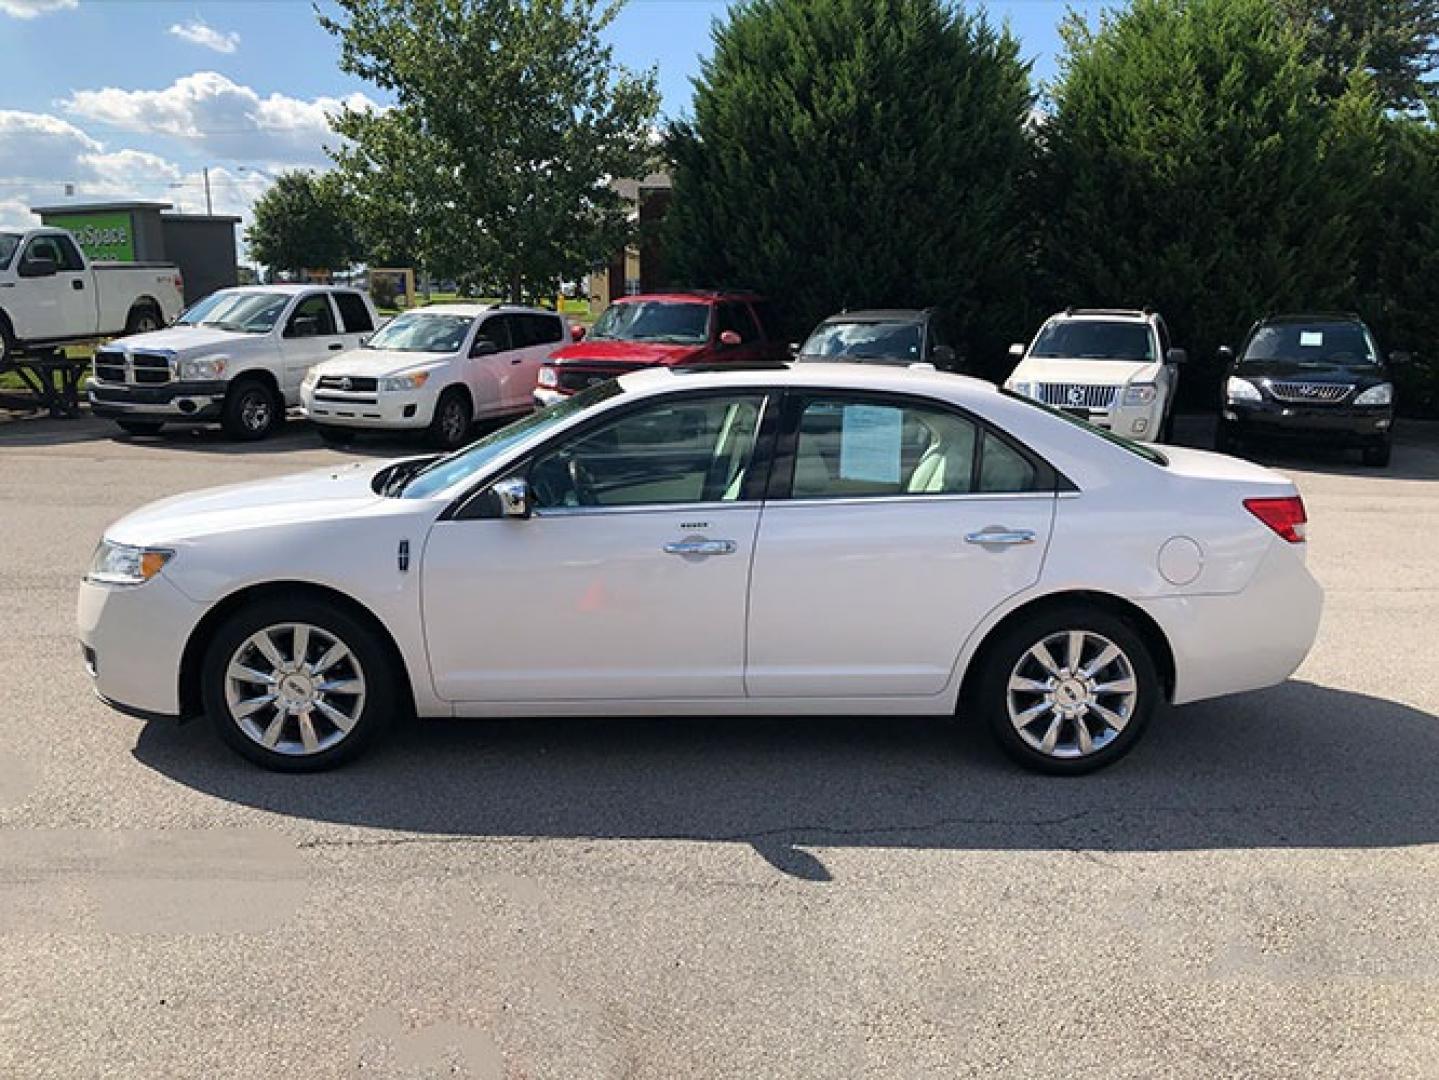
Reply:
x=1311 y=339
x=870 y=444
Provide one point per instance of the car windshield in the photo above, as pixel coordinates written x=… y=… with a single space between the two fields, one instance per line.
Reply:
x=8 y=243
x=1148 y=453
x=1093 y=339
x=420 y=332
x=243 y=312
x=669 y=322
x=1316 y=344
x=462 y=464
x=864 y=341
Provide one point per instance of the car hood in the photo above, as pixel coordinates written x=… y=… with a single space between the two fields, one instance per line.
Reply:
x=1311 y=372
x=378 y=362
x=188 y=340
x=1087 y=372
x=309 y=496
x=633 y=352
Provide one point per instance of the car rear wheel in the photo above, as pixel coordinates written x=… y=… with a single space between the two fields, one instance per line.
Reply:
x=1068 y=691
x=450 y=427
x=297 y=686
x=252 y=410
x=140 y=427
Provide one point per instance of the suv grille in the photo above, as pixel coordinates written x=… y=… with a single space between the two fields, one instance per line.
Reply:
x=583 y=378
x=150 y=368
x=354 y=384
x=1077 y=395
x=110 y=365
x=133 y=369
x=1309 y=391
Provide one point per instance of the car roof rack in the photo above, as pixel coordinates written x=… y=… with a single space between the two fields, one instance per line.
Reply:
x=1310 y=316
x=1131 y=312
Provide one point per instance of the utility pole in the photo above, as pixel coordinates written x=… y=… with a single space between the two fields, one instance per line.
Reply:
x=209 y=206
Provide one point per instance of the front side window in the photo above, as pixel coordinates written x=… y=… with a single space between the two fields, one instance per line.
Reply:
x=499 y=330
x=423 y=333
x=9 y=242
x=671 y=452
x=243 y=312
x=312 y=316
x=1317 y=344
x=865 y=341
x=667 y=322
x=1094 y=339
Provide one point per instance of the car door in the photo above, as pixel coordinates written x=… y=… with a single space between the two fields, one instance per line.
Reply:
x=311 y=333
x=629 y=579
x=491 y=358
x=901 y=524
x=44 y=308
x=541 y=336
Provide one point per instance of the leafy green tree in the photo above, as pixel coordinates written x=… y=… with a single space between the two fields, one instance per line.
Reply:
x=510 y=118
x=1397 y=41
x=856 y=153
x=302 y=221
x=1191 y=164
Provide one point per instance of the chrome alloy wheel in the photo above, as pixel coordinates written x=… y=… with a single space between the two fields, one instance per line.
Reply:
x=453 y=422
x=1071 y=694
x=255 y=410
x=294 y=688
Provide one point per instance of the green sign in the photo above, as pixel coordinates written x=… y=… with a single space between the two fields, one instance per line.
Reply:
x=106 y=237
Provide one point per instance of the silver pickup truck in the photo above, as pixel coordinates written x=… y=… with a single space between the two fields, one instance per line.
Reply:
x=51 y=294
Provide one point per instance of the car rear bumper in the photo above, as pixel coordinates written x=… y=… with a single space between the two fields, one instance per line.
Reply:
x=1344 y=422
x=132 y=639
x=170 y=401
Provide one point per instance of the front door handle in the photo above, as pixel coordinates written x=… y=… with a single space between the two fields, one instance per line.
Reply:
x=987 y=537
x=336 y=346
x=701 y=547
x=78 y=284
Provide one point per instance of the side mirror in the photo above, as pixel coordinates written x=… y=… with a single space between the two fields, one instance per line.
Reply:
x=729 y=339
x=943 y=357
x=304 y=326
x=1177 y=356
x=38 y=266
x=484 y=347
x=509 y=498
x=1226 y=354
x=1017 y=351
x=577 y=332
x=1399 y=359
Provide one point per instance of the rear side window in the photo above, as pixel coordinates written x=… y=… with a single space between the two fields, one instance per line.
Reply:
x=536 y=330
x=354 y=313
x=849 y=449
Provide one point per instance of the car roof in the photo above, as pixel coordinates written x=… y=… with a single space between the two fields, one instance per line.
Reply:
x=818 y=374
x=283 y=288
x=881 y=315
x=1312 y=316
x=475 y=309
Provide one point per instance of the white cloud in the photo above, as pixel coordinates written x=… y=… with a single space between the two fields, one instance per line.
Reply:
x=28 y=9
x=197 y=32
x=225 y=118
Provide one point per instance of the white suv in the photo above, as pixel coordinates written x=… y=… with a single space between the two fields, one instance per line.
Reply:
x=1114 y=368
x=436 y=369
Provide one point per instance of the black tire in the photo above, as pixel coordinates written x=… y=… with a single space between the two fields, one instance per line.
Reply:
x=143 y=318
x=1225 y=441
x=373 y=709
x=454 y=415
x=1379 y=455
x=331 y=435
x=7 y=340
x=141 y=427
x=1009 y=655
x=252 y=410
x=1166 y=429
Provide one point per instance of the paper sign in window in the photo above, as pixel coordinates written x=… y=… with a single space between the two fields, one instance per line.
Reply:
x=870 y=444
x=1311 y=339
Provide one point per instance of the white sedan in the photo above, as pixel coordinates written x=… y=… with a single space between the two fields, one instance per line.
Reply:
x=819 y=539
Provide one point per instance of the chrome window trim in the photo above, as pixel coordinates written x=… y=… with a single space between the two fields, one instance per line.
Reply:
x=645 y=508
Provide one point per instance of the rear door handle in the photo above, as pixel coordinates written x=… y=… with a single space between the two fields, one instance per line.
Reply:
x=701 y=547
x=987 y=537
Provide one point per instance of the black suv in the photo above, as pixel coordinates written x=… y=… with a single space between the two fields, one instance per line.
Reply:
x=1310 y=376
x=896 y=336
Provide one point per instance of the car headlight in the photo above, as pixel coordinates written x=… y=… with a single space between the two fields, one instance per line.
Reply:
x=202 y=367
x=312 y=377
x=122 y=564
x=413 y=381
x=1140 y=394
x=1241 y=390
x=1383 y=394
x=549 y=377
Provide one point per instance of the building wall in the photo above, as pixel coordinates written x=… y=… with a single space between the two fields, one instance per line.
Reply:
x=204 y=250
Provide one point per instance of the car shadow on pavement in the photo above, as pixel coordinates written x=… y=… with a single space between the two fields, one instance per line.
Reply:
x=1299 y=766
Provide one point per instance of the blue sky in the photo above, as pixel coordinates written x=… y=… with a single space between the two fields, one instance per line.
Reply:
x=134 y=98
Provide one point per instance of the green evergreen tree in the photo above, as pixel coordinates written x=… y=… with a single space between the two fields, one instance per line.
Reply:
x=856 y=153
x=1397 y=41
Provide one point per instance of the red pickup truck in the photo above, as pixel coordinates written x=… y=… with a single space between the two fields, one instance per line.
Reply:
x=663 y=330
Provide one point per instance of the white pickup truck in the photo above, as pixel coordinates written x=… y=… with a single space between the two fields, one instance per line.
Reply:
x=51 y=294
x=237 y=357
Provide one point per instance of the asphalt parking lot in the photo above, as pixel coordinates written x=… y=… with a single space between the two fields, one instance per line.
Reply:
x=1254 y=892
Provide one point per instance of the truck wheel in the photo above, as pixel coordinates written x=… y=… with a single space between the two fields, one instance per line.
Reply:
x=453 y=417
x=143 y=319
x=140 y=427
x=252 y=410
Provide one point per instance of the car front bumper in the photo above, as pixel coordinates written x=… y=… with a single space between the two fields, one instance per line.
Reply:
x=545 y=396
x=379 y=409
x=169 y=401
x=1348 y=423
x=133 y=639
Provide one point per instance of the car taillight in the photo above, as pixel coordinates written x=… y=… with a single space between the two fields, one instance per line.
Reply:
x=1285 y=516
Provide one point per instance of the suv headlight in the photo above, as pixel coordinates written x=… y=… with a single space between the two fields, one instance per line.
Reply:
x=121 y=564
x=413 y=381
x=1383 y=394
x=549 y=377
x=1237 y=389
x=1140 y=394
x=201 y=367
x=312 y=377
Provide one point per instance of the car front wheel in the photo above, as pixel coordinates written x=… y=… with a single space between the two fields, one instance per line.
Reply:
x=297 y=686
x=1069 y=690
x=252 y=410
